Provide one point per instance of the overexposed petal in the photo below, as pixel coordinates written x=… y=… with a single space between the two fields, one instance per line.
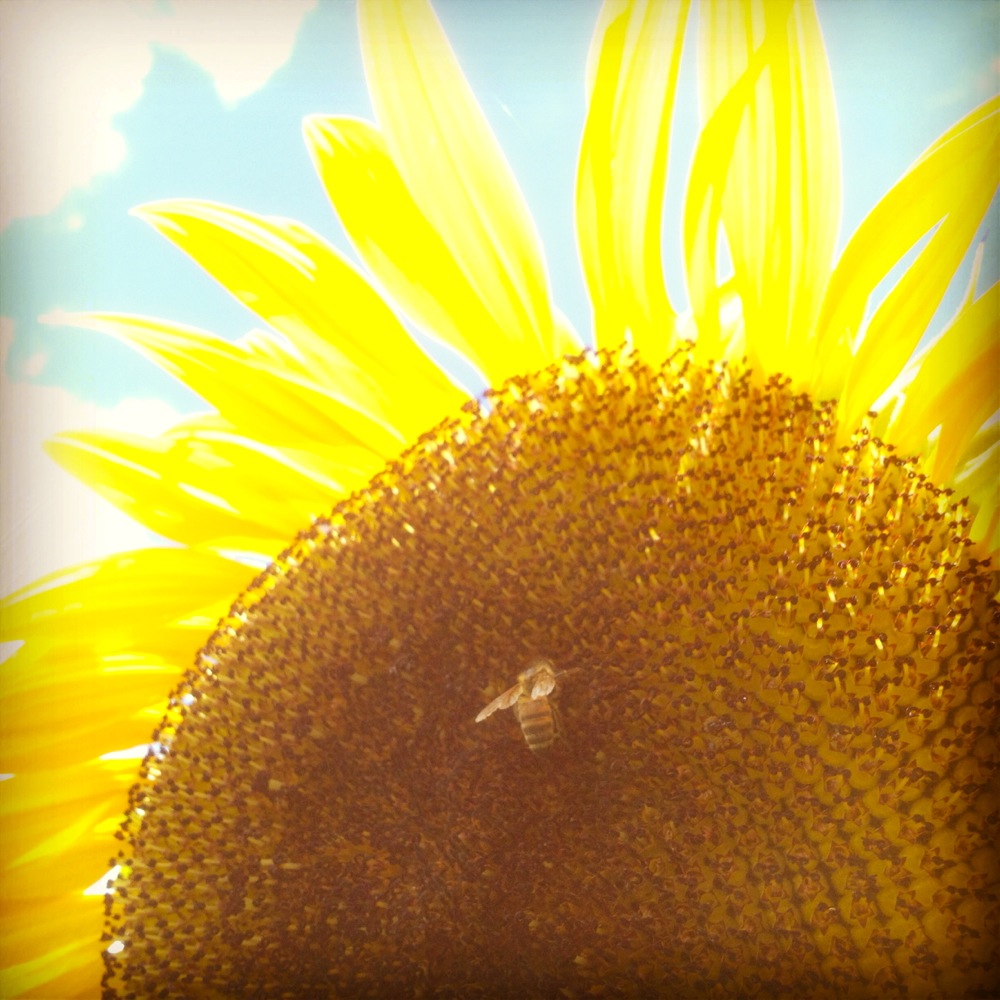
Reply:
x=284 y=406
x=564 y=334
x=711 y=167
x=121 y=599
x=956 y=387
x=453 y=168
x=208 y=487
x=775 y=168
x=635 y=60
x=137 y=617
x=299 y=284
x=403 y=250
x=950 y=186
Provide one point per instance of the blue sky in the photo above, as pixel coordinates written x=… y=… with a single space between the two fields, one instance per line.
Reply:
x=189 y=117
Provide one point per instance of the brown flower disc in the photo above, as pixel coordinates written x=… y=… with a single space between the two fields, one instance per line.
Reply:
x=777 y=763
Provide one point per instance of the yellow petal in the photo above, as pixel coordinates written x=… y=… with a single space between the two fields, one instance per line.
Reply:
x=99 y=704
x=280 y=406
x=145 y=676
x=29 y=747
x=979 y=480
x=405 y=253
x=116 y=601
x=565 y=337
x=635 y=60
x=956 y=387
x=711 y=169
x=52 y=949
x=780 y=192
x=453 y=167
x=119 y=628
x=301 y=286
x=54 y=823
x=132 y=709
x=950 y=186
x=208 y=487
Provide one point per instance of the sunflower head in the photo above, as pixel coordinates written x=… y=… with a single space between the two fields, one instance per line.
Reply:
x=754 y=538
x=774 y=767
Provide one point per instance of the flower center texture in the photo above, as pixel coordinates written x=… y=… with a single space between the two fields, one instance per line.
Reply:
x=777 y=690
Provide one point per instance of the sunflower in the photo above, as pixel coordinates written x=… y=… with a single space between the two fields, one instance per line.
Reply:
x=754 y=538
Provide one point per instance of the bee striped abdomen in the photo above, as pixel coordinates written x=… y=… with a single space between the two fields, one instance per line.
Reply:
x=529 y=699
x=537 y=723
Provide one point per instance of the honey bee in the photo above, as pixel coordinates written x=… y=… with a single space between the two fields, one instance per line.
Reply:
x=529 y=698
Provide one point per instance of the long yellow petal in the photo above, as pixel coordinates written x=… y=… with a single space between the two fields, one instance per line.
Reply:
x=956 y=387
x=703 y=206
x=781 y=186
x=299 y=284
x=894 y=330
x=635 y=55
x=58 y=818
x=33 y=966
x=403 y=250
x=116 y=704
x=453 y=167
x=979 y=480
x=204 y=487
x=144 y=675
x=120 y=694
x=121 y=627
x=952 y=183
x=117 y=599
x=283 y=406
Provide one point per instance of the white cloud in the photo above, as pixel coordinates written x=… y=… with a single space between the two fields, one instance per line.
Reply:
x=240 y=43
x=64 y=71
x=48 y=519
x=67 y=68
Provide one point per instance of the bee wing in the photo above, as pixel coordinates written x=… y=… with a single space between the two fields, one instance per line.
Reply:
x=508 y=698
x=543 y=684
